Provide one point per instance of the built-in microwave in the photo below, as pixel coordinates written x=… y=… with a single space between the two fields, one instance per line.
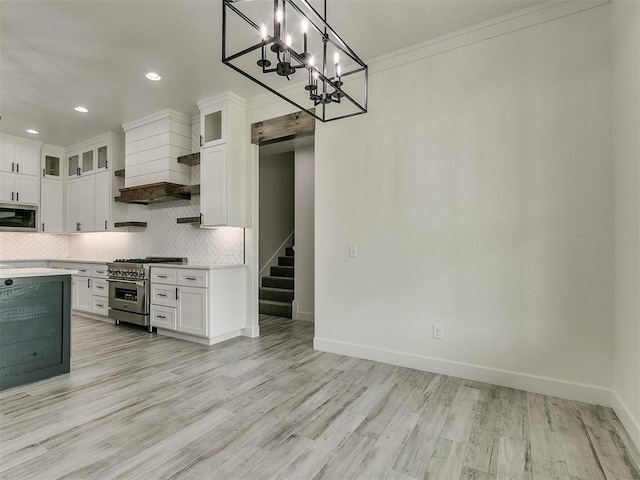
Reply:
x=18 y=218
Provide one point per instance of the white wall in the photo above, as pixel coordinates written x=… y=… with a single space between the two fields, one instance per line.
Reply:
x=277 y=198
x=625 y=29
x=304 y=218
x=478 y=189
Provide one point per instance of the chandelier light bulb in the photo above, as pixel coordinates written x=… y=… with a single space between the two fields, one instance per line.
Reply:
x=263 y=32
x=305 y=26
x=279 y=15
x=312 y=61
x=287 y=40
x=336 y=57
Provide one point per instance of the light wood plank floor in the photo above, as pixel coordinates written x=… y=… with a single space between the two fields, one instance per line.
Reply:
x=140 y=406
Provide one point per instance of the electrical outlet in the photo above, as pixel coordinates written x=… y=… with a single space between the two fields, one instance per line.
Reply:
x=437 y=332
x=353 y=250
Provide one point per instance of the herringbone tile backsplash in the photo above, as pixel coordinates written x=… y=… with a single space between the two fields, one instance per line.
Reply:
x=26 y=246
x=162 y=237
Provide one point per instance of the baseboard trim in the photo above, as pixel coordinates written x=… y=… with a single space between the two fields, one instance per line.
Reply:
x=505 y=378
x=305 y=316
x=201 y=340
x=629 y=422
x=90 y=316
x=251 y=332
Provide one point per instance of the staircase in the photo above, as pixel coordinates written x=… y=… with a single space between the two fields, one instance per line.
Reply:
x=276 y=292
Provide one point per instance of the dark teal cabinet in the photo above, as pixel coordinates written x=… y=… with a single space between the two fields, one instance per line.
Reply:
x=35 y=328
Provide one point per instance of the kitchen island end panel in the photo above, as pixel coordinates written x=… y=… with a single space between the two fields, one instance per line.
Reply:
x=35 y=328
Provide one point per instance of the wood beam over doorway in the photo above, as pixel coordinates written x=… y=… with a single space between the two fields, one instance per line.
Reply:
x=286 y=127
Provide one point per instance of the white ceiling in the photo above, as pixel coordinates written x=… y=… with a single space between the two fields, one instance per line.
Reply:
x=56 y=54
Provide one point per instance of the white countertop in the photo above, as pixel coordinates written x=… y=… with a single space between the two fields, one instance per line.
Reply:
x=197 y=266
x=33 y=272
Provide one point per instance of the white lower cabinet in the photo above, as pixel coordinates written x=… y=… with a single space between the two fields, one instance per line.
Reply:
x=163 y=317
x=204 y=305
x=192 y=311
x=81 y=295
x=99 y=291
x=89 y=288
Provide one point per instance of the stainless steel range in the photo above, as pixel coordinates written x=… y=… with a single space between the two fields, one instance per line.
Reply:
x=129 y=288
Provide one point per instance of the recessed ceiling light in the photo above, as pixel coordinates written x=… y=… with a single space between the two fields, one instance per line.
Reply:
x=32 y=131
x=81 y=109
x=153 y=76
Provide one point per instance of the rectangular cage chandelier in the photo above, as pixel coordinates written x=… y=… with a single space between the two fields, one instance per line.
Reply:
x=273 y=42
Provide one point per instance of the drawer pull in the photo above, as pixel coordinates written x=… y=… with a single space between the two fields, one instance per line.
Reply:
x=190 y=278
x=99 y=305
x=161 y=276
x=162 y=294
x=161 y=316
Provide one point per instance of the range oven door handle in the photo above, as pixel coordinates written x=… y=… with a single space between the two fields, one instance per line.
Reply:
x=130 y=282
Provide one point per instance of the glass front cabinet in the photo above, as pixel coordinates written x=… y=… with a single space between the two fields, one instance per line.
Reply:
x=89 y=160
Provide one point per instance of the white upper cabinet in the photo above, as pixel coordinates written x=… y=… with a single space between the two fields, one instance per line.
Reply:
x=7 y=157
x=19 y=170
x=213 y=125
x=223 y=161
x=52 y=163
x=90 y=157
x=52 y=206
x=90 y=205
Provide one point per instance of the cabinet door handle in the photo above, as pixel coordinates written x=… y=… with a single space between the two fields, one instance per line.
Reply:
x=13 y=166
x=177 y=293
x=43 y=226
x=78 y=227
x=201 y=140
x=12 y=196
x=105 y=225
x=88 y=283
x=17 y=196
x=17 y=168
x=43 y=172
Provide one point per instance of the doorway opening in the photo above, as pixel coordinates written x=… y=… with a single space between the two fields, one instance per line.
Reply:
x=284 y=164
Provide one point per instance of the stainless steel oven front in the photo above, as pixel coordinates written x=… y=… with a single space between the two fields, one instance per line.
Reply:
x=128 y=295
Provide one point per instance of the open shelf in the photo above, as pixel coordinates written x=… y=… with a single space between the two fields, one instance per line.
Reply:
x=130 y=224
x=189 y=220
x=191 y=160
